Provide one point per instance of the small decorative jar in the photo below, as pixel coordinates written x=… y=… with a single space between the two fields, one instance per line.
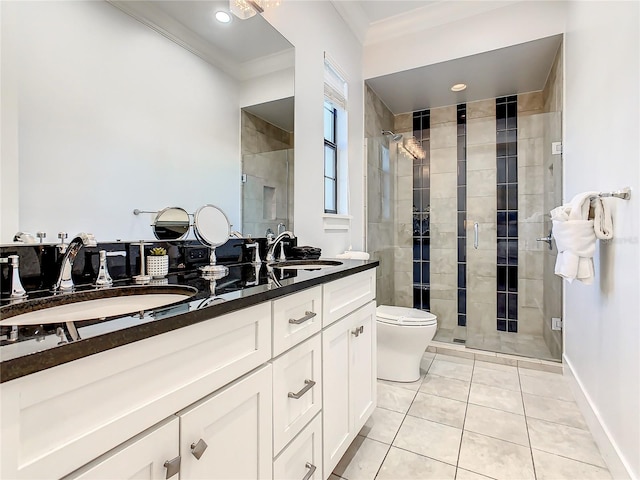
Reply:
x=157 y=263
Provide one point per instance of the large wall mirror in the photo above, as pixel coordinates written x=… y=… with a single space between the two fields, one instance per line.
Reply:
x=113 y=106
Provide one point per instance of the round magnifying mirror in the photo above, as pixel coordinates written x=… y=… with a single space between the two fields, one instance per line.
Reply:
x=211 y=227
x=172 y=223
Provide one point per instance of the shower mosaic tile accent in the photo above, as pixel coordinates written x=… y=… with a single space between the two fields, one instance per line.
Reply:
x=462 y=213
x=421 y=213
x=507 y=212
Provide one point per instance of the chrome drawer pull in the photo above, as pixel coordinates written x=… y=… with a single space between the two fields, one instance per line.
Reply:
x=308 y=385
x=312 y=470
x=197 y=449
x=172 y=466
x=307 y=316
x=358 y=331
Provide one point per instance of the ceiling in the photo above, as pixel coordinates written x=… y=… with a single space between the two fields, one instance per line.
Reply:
x=506 y=71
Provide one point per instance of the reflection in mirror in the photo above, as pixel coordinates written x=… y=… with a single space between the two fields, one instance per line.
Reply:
x=267 y=167
x=172 y=223
x=180 y=91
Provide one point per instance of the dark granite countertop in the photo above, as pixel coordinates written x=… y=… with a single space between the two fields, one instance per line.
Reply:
x=40 y=347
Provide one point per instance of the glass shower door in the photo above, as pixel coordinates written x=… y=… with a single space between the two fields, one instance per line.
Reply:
x=512 y=292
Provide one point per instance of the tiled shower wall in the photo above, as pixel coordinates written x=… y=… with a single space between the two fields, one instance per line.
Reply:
x=267 y=160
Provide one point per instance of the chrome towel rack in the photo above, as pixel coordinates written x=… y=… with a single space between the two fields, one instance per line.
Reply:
x=624 y=194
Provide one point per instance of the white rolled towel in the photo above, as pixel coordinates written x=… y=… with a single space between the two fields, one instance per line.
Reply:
x=576 y=243
x=575 y=239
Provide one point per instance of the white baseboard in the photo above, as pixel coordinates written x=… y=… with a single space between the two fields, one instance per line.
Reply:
x=619 y=469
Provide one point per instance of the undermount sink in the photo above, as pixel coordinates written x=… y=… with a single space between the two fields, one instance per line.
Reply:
x=305 y=264
x=93 y=304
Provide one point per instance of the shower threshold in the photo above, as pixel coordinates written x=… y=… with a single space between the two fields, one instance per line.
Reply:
x=458 y=350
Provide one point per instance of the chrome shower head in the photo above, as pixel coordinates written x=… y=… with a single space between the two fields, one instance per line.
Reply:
x=396 y=137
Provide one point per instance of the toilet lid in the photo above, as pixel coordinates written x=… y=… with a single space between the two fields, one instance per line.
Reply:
x=405 y=316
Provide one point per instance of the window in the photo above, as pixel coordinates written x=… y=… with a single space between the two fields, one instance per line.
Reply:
x=330 y=159
x=335 y=140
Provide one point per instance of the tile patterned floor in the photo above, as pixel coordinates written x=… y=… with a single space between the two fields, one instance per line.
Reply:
x=466 y=419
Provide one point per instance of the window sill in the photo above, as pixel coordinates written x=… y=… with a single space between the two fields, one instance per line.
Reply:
x=332 y=221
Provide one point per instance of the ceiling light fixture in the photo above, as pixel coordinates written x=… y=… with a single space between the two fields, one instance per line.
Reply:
x=458 y=87
x=244 y=9
x=223 y=17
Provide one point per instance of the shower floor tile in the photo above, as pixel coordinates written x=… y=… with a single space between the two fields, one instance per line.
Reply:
x=477 y=431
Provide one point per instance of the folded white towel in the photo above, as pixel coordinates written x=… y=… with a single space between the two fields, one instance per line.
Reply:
x=575 y=239
x=354 y=255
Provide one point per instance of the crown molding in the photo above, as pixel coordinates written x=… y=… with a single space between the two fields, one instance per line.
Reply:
x=276 y=62
x=413 y=21
x=355 y=18
x=430 y=16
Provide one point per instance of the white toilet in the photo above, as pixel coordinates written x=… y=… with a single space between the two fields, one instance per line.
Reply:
x=403 y=336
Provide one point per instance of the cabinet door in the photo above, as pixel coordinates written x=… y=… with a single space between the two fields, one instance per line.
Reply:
x=297 y=390
x=336 y=420
x=235 y=425
x=142 y=457
x=363 y=361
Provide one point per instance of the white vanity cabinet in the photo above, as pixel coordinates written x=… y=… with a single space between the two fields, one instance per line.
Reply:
x=228 y=434
x=348 y=366
x=260 y=393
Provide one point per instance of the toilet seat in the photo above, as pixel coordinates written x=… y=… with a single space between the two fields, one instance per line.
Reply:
x=405 y=316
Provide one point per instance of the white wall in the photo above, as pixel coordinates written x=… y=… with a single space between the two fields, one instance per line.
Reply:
x=314 y=27
x=111 y=116
x=510 y=25
x=601 y=152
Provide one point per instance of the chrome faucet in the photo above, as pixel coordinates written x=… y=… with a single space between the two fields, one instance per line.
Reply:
x=274 y=243
x=65 y=282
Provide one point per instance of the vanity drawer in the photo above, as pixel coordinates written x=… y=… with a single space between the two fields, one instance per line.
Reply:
x=343 y=296
x=302 y=455
x=297 y=390
x=295 y=318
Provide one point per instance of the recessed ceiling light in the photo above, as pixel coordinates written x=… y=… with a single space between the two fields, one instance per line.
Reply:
x=458 y=87
x=223 y=17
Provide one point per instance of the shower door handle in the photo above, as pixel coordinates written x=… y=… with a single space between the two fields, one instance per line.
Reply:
x=475 y=235
x=547 y=240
